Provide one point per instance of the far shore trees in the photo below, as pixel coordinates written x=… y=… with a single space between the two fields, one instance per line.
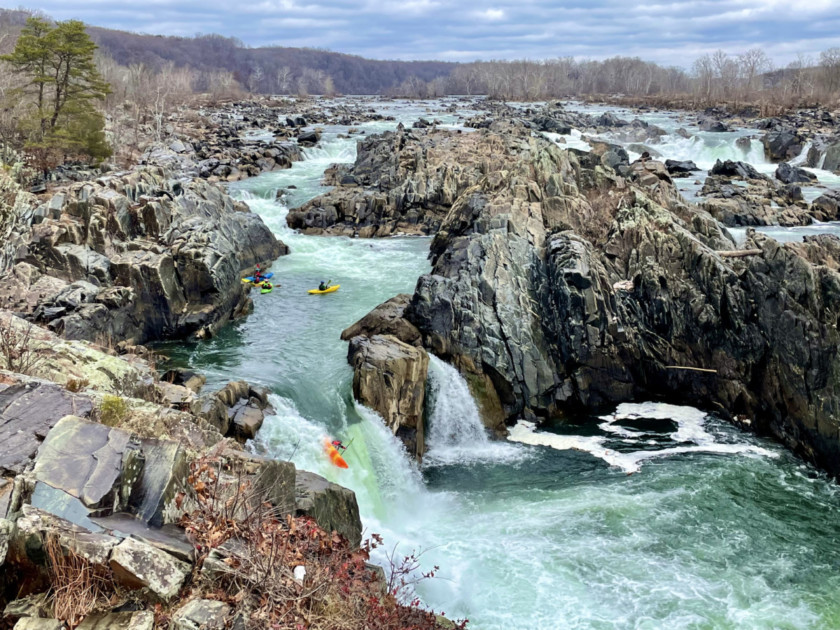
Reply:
x=59 y=84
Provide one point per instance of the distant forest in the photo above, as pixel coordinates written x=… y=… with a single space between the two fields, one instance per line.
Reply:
x=224 y=67
x=272 y=70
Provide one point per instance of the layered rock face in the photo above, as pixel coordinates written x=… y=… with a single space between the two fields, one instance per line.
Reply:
x=401 y=182
x=559 y=286
x=135 y=257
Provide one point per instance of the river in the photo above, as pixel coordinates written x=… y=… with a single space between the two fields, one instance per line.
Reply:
x=653 y=517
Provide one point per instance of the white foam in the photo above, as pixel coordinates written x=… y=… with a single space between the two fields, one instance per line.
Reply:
x=691 y=436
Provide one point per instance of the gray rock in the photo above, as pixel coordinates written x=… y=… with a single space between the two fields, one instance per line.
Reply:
x=247 y=422
x=5 y=534
x=788 y=174
x=34 y=623
x=109 y=471
x=680 y=168
x=389 y=377
x=140 y=620
x=201 y=614
x=27 y=413
x=138 y=565
x=332 y=506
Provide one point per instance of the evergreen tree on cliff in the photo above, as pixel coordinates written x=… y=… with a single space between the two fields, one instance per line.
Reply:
x=61 y=78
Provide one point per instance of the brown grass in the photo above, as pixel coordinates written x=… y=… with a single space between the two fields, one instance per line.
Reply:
x=78 y=586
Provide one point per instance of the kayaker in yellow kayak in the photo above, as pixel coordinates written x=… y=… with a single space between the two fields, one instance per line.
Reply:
x=324 y=285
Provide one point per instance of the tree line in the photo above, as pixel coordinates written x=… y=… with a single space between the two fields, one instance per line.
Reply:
x=60 y=81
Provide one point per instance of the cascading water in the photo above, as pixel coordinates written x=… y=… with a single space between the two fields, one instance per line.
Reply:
x=526 y=536
x=456 y=432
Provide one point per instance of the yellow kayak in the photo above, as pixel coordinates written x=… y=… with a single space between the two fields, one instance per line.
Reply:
x=327 y=290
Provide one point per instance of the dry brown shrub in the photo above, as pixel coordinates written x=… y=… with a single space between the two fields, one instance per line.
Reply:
x=340 y=591
x=78 y=587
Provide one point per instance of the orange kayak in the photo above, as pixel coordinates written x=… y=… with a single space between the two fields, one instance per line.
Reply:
x=335 y=456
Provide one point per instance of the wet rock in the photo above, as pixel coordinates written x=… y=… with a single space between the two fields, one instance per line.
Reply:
x=681 y=168
x=332 y=506
x=782 y=145
x=309 y=138
x=788 y=174
x=715 y=126
x=729 y=168
x=389 y=376
x=138 y=565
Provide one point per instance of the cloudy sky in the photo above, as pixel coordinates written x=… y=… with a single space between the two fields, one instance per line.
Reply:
x=672 y=32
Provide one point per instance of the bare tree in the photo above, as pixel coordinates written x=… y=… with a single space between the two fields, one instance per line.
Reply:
x=830 y=69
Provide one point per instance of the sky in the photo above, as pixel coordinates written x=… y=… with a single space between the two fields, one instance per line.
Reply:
x=669 y=32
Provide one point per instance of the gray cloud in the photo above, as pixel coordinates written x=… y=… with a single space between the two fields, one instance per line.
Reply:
x=672 y=32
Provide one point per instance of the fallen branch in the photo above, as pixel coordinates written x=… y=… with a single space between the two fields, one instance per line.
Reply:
x=693 y=369
x=739 y=253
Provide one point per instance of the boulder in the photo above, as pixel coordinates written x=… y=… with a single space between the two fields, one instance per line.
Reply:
x=714 y=126
x=788 y=174
x=109 y=470
x=201 y=614
x=389 y=376
x=274 y=480
x=730 y=168
x=782 y=145
x=309 y=138
x=826 y=207
x=386 y=319
x=138 y=565
x=332 y=506
x=680 y=168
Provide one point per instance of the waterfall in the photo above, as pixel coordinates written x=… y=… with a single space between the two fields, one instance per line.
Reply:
x=454 y=420
x=800 y=159
x=456 y=433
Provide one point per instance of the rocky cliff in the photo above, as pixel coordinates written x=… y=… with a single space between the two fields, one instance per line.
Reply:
x=559 y=286
x=133 y=257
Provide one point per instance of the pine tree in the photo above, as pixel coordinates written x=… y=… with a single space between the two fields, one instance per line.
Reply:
x=61 y=76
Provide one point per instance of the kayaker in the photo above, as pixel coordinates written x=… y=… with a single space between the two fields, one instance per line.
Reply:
x=338 y=445
x=323 y=286
x=258 y=275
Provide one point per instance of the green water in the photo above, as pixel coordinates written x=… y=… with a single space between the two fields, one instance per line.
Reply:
x=734 y=533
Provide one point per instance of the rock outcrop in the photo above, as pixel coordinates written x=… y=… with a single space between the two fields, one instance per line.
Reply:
x=136 y=257
x=738 y=195
x=389 y=376
x=401 y=182
x=565 y=287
